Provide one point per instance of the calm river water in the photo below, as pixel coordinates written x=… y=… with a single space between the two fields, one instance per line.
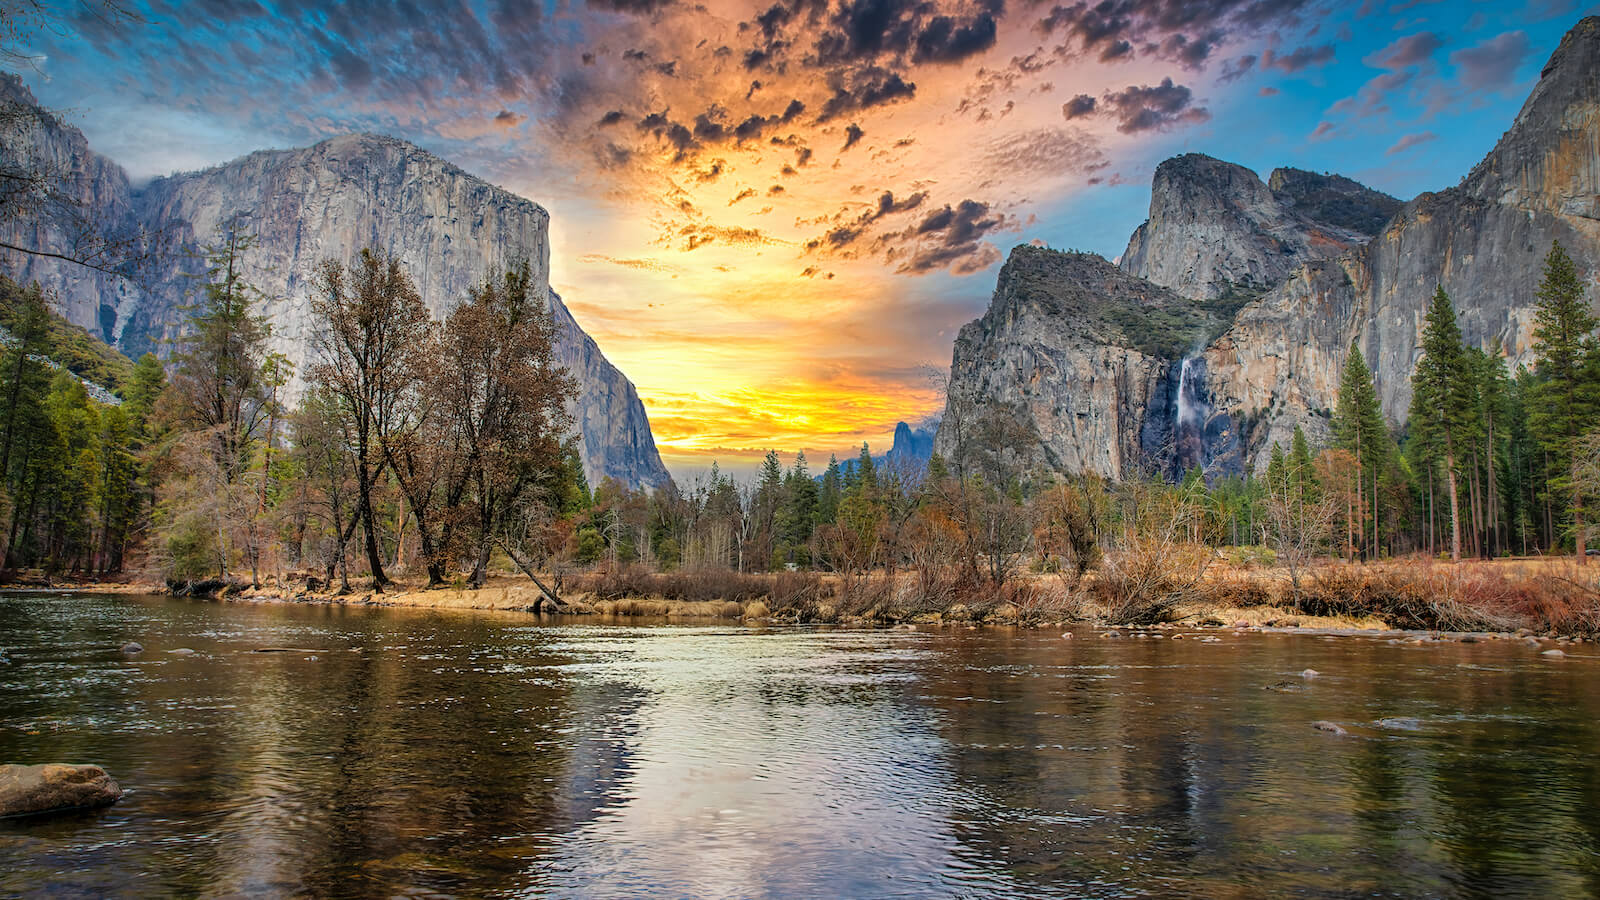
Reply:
x=429 y=754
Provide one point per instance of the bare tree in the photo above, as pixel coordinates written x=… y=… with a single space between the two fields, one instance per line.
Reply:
x=372 y=328
x=505 y=395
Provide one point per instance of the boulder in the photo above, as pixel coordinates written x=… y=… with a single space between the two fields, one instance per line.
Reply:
x=54 y=787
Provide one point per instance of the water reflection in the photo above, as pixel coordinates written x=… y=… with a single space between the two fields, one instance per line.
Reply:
x=443 y=754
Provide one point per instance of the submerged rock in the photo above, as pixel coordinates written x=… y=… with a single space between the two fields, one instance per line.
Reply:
x=1309 y=673
x=132 y=647
x=1399 y=723
x=1554 y=653
x=54 y=787
x=1331 y=728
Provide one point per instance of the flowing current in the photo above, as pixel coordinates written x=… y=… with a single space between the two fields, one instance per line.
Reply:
x=426 y=754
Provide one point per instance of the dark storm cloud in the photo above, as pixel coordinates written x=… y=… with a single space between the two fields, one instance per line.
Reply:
x=864 y=89
x=631 y=7
x=946 y=41
x=852 y=136
x=754 y=126
x=953 y=237
x=1181 y=31
x=853 y=228
x=1145 y=108
x=1078 y=107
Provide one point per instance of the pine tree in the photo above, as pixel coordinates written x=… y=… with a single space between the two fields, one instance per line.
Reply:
x=1359 y=427
x=866 y=473
x=1564 y=406
x=139 y=398
x=25 y=378
x=800 y=509
x=829 y=494
x=1442 y=402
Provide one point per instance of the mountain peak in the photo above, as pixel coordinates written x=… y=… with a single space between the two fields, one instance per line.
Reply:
x=1333 y=200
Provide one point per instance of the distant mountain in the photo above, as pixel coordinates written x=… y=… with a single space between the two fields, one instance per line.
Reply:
x=1234 y=306
x=913 y=447
x=303 y=206
x=909 y=454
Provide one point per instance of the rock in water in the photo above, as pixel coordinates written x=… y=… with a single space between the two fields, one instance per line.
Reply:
x=54 y=787
x=1400 y=723
x=1309 y=673
x=1329 y=727
x=132 y=647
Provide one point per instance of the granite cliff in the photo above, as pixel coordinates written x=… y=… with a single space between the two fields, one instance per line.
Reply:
x=57 y=193
x=327 y=201
x=1274 y=280
x=1215 y=229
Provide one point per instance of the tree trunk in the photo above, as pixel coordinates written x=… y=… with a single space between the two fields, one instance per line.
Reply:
x=1455 y=504
x=1577 y=514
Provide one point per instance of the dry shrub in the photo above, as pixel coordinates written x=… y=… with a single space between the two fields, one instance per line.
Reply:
x=1144 y=583
x=1463 y=597
x=1233 y=593
x=1043 y=601
x=797 y=590
x=693 y=586
x=858 y=594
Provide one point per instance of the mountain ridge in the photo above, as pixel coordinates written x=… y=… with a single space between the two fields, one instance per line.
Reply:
x=1215 y=229
x=329 y=201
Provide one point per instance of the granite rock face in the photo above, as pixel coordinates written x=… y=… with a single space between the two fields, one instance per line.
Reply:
x=1484 y=241
x=330 y=201
x=1215 y=229
x=1080 y=355
x=1333 y=200
x=1297 y=269
x=82 y=199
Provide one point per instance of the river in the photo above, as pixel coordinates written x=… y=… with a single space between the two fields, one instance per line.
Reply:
x=442 y=753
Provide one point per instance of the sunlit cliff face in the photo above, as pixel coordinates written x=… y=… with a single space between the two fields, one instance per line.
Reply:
x=774 y=216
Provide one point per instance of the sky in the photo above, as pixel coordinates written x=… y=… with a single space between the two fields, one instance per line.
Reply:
x=775 y=217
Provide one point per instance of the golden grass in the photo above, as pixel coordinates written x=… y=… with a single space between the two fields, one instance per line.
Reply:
x=1542 y=595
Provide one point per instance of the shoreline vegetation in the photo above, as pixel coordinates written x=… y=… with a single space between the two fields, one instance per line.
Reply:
x=1528 y=598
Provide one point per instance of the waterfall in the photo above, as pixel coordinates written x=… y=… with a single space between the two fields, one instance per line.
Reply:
x=1189 y=419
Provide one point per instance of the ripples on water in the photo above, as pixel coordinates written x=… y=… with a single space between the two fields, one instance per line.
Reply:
x=438 y=754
